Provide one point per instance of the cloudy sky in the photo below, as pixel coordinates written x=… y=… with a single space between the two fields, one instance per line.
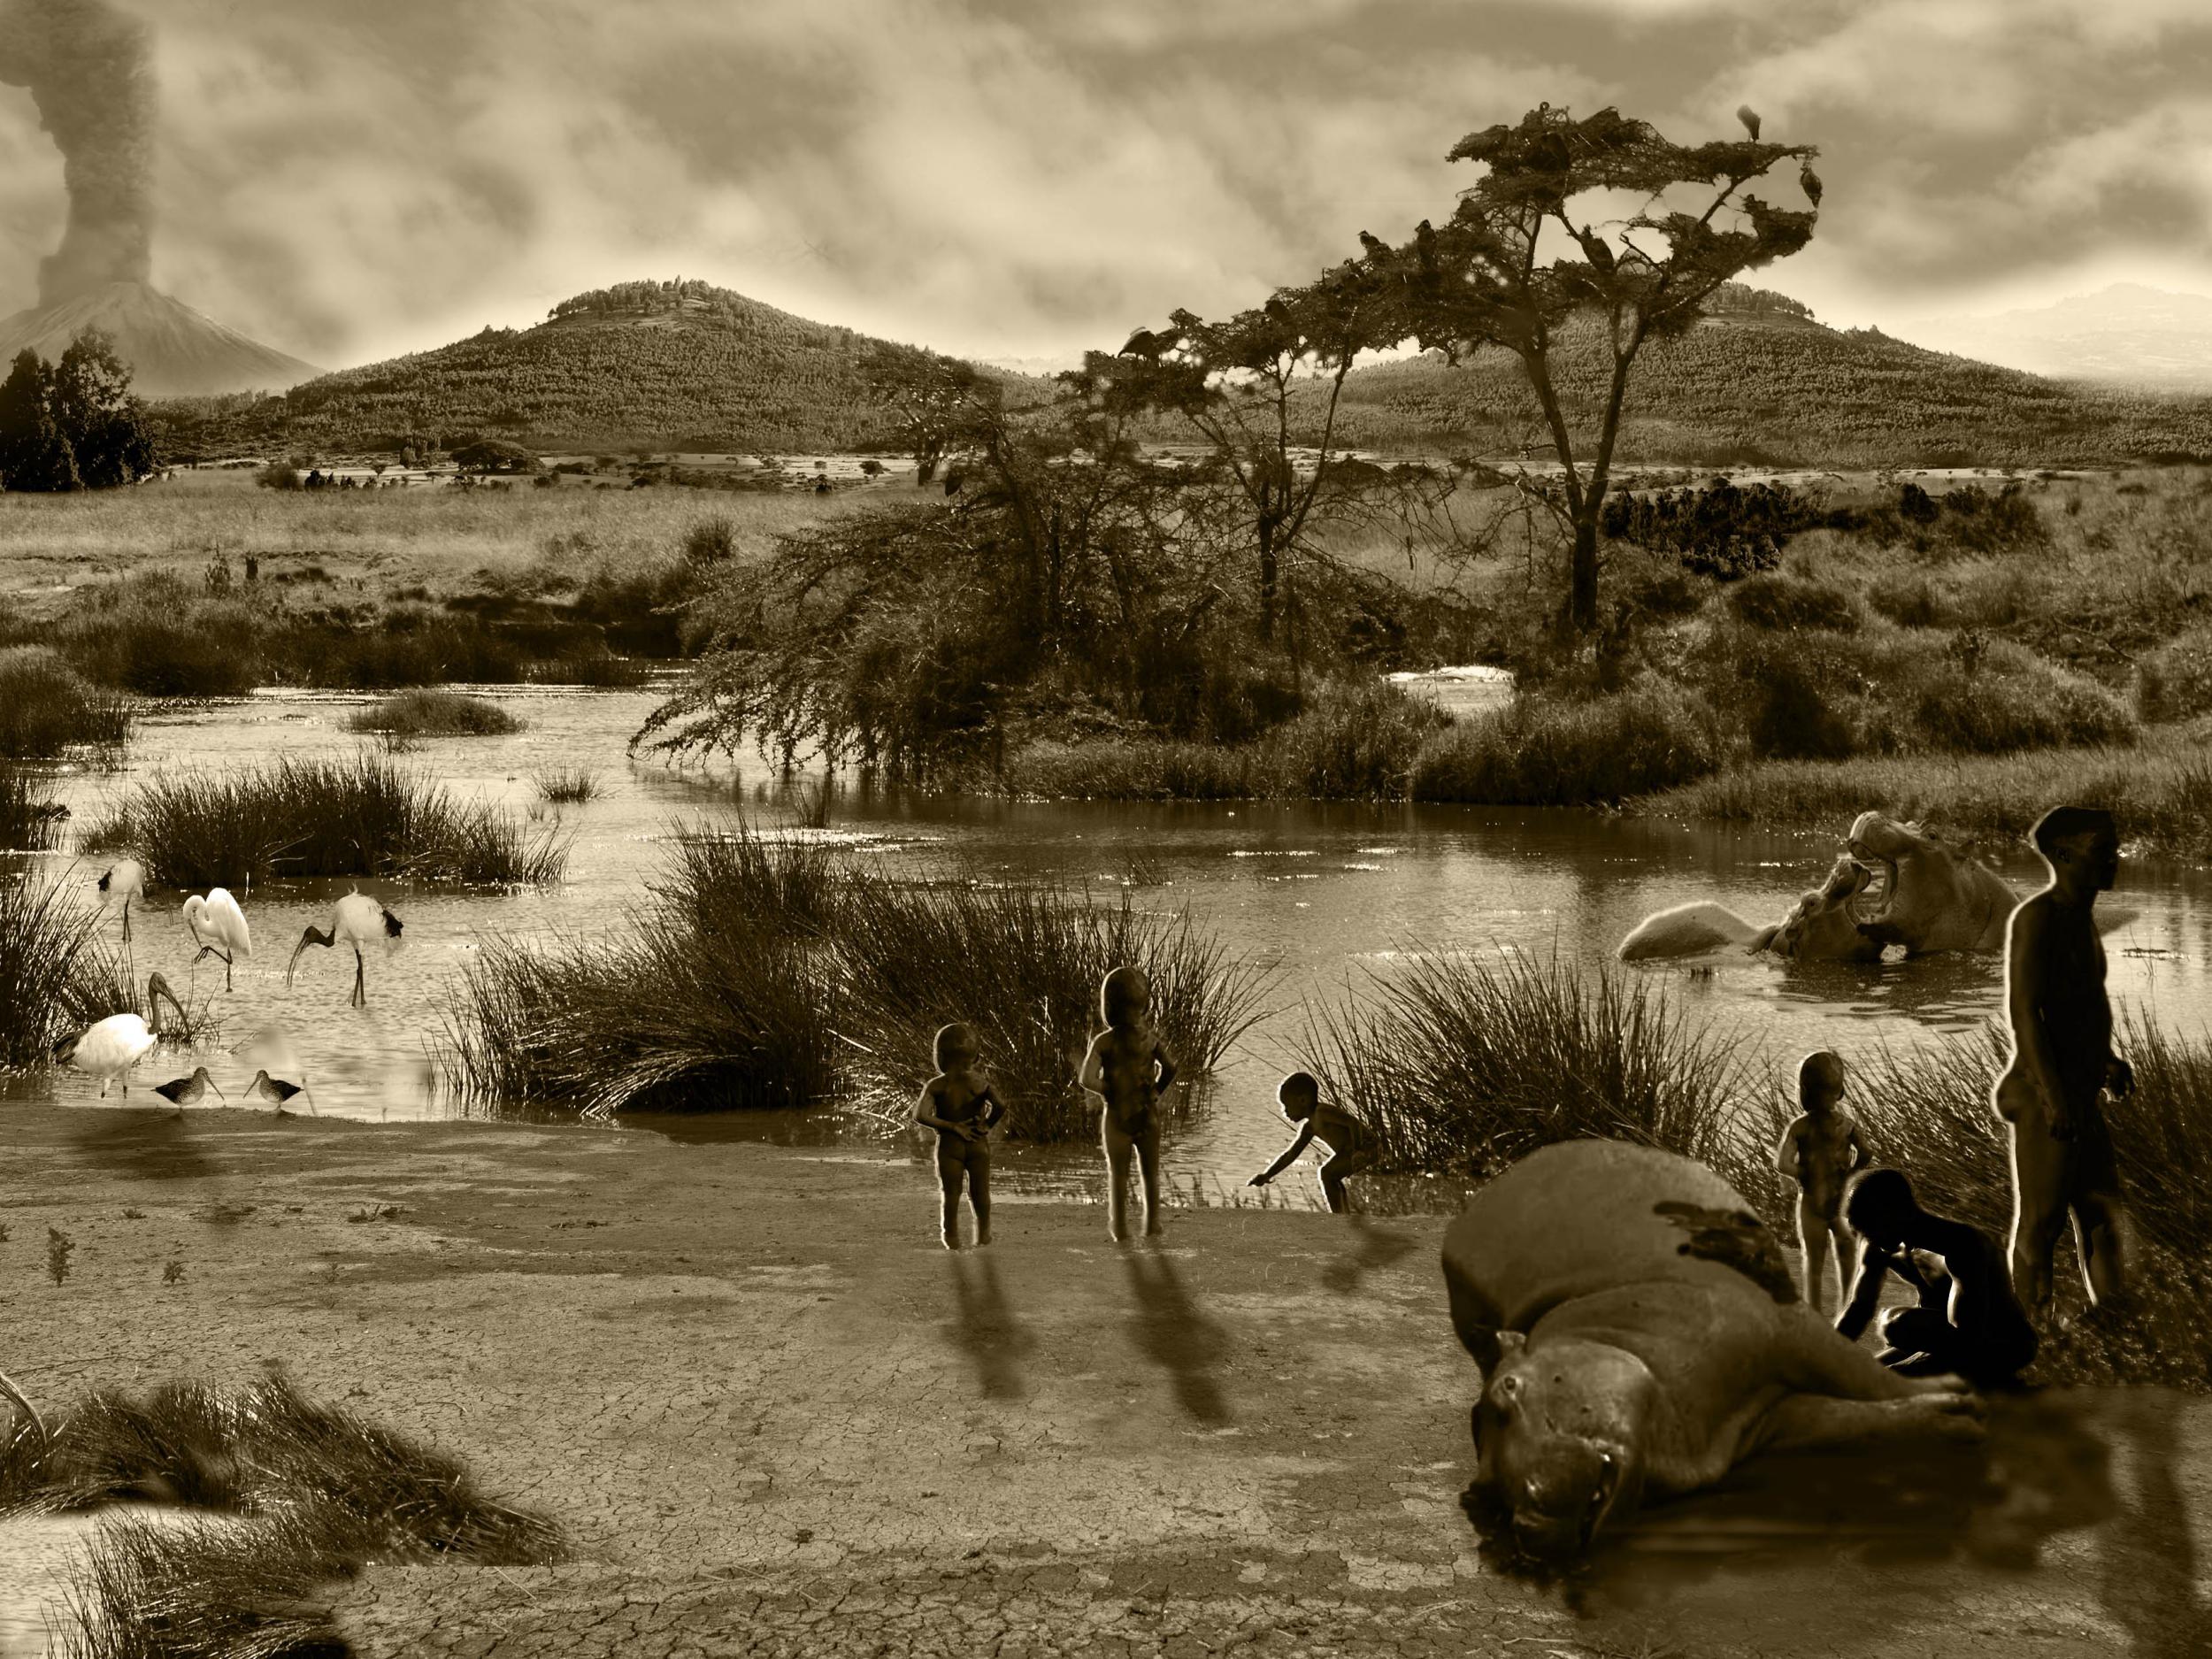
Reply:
x=1023 y=178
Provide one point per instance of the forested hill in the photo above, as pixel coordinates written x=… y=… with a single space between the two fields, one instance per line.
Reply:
x=654 y=365
x=686 y=365
x=1758 y=386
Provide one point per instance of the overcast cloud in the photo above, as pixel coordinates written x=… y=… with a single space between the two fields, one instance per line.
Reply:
x=1024 y=177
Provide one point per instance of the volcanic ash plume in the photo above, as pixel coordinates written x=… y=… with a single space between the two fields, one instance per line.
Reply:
x=89 y=69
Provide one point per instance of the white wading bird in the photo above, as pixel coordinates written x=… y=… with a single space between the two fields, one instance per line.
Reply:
x=123 y=880
x=107 y=1048
x=358 y=920
x=218 y=926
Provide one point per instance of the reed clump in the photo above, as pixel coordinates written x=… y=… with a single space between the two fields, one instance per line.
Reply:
x=57 y=975
x=777 y=973
x=434 y=713
x=361 y=816
x=568 y=786
x=30 y=820
x=47 y=707
x=309 y=1496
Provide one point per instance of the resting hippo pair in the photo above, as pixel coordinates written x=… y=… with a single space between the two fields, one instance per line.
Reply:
x=1639 y=1334
x=1930 y=899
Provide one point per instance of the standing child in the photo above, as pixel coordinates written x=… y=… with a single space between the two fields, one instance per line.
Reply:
x=1128 y=1069
x=1820 y=1149
x=1351 y=1146
x=959 y=1105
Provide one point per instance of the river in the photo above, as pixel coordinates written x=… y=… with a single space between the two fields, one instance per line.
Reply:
x=1326 y=896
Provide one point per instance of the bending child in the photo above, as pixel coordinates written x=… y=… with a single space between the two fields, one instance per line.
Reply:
x=959 y=1105
x=1968 y=1322
x=1128 y=1069
x=2050 y=1095
x=1819 y=1151
x=1352 y=1148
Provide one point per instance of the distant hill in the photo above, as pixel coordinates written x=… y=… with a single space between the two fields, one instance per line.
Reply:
x=173 y=350
x=662 y=366
x=2126 y=334
x=643 y=364
x=1750 y=386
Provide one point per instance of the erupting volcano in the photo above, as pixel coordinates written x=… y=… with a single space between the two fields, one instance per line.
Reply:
x=89 y=69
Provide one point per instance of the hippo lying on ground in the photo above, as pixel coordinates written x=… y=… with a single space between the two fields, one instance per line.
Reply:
x=1819 y=927
x=1639 y=1334
x=1932 y=898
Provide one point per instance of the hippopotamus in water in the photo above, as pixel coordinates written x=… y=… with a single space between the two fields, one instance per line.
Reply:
x=1820 y=927
x=1639 y=1334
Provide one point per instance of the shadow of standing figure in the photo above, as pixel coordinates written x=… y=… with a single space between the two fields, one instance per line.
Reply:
x=1175 y=1335
x=2147 y=1566
x=1377 y=1249
x=987 y=1328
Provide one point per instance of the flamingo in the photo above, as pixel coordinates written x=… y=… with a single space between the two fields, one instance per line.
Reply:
x=356 y=920
x=276 y=1091
x=124 y=879
x=218 y=928
x=189 y=1091
x=107 y=1048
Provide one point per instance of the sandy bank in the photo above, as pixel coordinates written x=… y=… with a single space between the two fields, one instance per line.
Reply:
x=776 y=1418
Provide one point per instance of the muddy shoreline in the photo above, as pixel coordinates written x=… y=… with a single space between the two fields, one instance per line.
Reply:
x=775 y=1418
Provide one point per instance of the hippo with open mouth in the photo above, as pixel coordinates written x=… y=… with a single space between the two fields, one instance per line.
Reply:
x=1930 y=898
x=1639 y=1334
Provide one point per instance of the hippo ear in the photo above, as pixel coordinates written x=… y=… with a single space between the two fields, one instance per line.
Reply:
x=1509 y=1343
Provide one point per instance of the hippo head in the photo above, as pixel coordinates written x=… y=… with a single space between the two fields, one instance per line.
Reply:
x=1878 y=840
x=1559 y=1436
x=1821 y=922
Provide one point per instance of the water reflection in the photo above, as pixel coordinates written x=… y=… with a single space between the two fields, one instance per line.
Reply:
x=1329 y=895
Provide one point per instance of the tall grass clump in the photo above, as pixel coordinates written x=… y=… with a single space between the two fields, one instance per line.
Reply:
x=29 y=820
x=294 y=817
x=567 y=786
x=46 y=706
x=56 y=976
x=1022 y=966
x=429 y=713
x=1464 y=1066
x=1539 y=753
x=160 y=636
x=310 y=1497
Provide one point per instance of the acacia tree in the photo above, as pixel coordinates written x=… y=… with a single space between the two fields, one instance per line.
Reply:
x=90 y=396
x=1484 y=277
x=1244 y=386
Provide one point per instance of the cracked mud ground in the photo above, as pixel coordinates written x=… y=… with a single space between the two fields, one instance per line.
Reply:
x=774 y=1418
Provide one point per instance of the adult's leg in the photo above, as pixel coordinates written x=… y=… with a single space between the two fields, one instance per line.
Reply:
x=979 y=1191
x=2039 y=1174
x=2102 y=1232
x=1148 y=1147
x=1118 y=1148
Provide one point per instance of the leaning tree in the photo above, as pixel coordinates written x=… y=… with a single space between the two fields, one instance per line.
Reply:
x=1527 y=252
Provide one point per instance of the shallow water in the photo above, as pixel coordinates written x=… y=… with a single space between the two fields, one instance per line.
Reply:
x=1324 y=895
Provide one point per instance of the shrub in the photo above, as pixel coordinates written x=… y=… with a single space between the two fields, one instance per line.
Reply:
x=46 y=706
x=710 y=542
x=1534 y=753
x=1789 y=717
x=2174 y=682
x=290 y=818
x=1909 y=601
x=1779 y=601
x=2000 y=698
x=436 y=714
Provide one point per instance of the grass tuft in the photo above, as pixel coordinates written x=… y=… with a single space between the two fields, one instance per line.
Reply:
x=294 y=818
x=46 y=706
x=29 y=820
x=429 y=713
x=567 y=786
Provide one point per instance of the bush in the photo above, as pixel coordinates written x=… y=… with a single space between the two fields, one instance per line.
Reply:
x=1789 y=717
x=2174 y=682
x=46 y=706
x=1534 y=753
x=2000 y=697
x=1781 y=602
x=434 y=714
x=362 y=816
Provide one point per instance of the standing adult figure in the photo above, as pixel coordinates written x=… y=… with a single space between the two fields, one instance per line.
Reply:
x=2050 y=1095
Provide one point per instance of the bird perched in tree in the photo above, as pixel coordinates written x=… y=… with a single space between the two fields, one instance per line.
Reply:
x=1145 y=344
x=189 y=1091
x=218 y=928
x=276 y=1091
x=122 y=881
x=1749 y=116
x=1809 y=181
x=1373 y=246
x=356 y=920
x=107 y=1048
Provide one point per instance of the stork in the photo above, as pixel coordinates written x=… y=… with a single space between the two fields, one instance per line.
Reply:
x=356 y=920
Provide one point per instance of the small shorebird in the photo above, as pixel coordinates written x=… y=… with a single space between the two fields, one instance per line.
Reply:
x=356 y=920
x=276 y=1091
x=107 y=1048
x=189 y=1091
x=218 y=928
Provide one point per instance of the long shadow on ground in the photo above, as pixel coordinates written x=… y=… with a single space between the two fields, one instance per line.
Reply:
x=1175 y=1335
x=985 y=1327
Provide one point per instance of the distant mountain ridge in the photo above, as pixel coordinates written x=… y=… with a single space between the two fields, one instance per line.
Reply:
x=2127 y=335
x=173 y=350
x=688 y=365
